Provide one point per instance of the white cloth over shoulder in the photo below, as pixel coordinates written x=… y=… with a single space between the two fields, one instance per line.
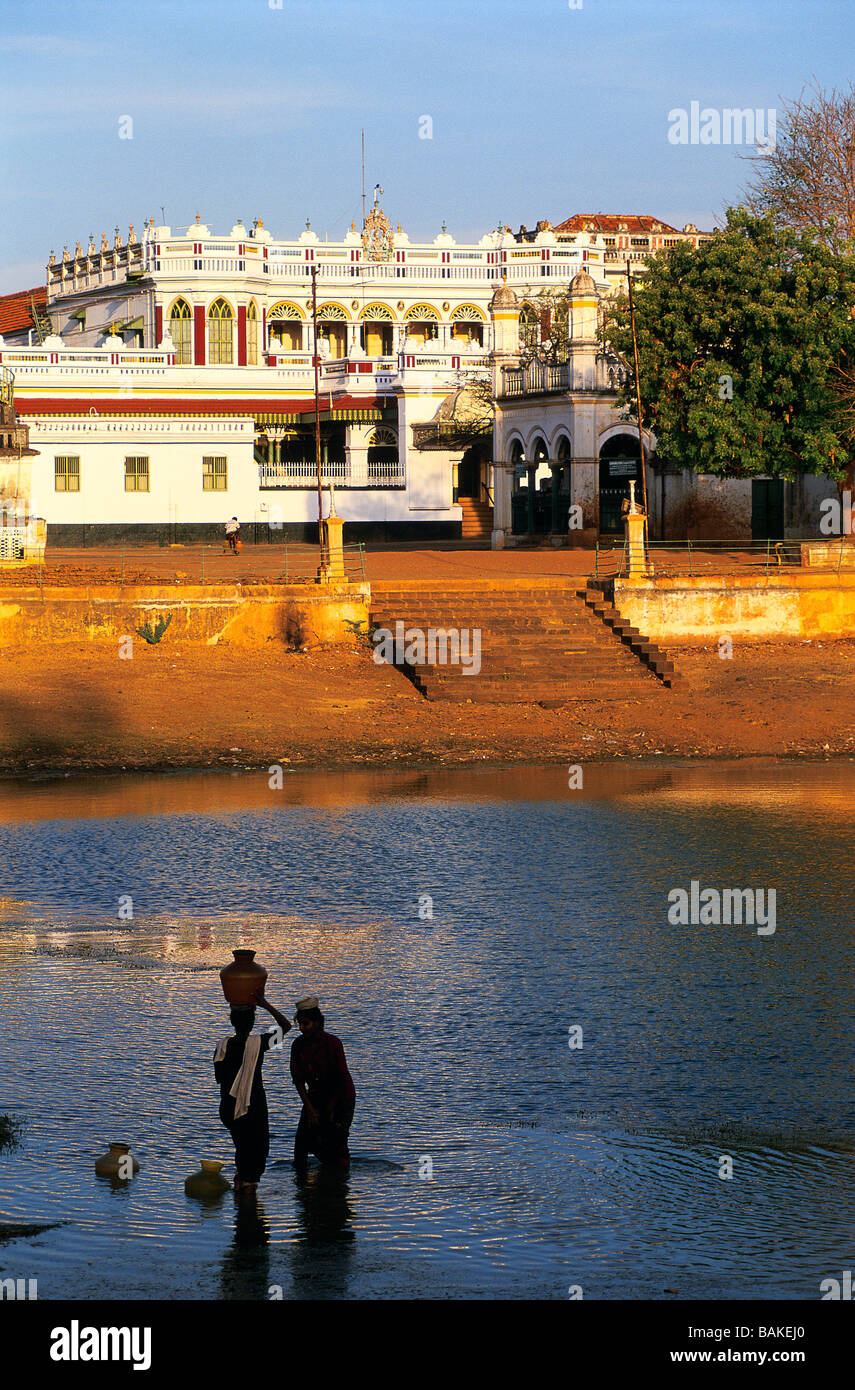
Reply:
x=242 y=1084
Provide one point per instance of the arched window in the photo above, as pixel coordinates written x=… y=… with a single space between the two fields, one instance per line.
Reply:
x=285 y=328
x=375 y=331
x=332 y=325
x=181 y=331
x=220 y=335
x=383 y=454
x=252 y=335
x=468 y=324
x=422 y=322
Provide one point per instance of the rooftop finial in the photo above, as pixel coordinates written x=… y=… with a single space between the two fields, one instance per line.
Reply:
x=197 y=217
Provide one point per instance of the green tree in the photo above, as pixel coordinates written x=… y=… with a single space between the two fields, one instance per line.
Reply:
x=741 y=343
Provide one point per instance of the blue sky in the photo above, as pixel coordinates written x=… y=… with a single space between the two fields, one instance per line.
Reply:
x=241 y=109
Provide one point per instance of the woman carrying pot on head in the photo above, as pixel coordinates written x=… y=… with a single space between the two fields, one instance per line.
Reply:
x=325 y=1086
x=243 y=1102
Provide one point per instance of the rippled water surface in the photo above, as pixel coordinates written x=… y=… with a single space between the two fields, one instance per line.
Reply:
x=551 y=1166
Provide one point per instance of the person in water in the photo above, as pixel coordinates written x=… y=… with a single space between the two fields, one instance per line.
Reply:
x=243 y=1103
x=325 y=1086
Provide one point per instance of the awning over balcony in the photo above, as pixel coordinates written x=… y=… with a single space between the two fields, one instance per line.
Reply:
x=366 y=416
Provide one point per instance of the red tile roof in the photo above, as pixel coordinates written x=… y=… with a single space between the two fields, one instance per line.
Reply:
x=610 y=221
x=15 y=316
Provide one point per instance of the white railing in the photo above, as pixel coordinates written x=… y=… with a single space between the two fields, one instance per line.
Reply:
x=467 y=265
x=539 y=378
x=303 y=473
x=86 y=357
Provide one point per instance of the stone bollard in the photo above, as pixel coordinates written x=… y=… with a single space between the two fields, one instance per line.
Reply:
x=634 y=522
x=335 y=548
x=333 y=571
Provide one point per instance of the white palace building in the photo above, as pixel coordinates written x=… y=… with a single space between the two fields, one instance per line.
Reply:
x=170 y=382
x=167 y=382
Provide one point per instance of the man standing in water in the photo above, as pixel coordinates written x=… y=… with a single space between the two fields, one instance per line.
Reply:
x=325 y=1086
x=243 y=1102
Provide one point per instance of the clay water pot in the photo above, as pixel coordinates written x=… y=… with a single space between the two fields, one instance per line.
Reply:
x=208 y=1182
x=107 y=1166
x=243 y=980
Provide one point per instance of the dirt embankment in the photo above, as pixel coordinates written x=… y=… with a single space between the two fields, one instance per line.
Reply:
x=180 y=705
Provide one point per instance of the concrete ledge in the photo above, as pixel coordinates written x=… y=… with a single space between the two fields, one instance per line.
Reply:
x=791 y=605
x=243 y=615
x=830 y=554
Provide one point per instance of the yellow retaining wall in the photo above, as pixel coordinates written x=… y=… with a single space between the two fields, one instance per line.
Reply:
x=711 y=606
x=245 y=615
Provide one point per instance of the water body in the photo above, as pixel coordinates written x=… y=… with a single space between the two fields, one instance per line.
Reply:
x=594 y=1166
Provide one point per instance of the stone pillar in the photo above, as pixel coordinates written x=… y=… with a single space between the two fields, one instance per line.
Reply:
x=332 y=572
x=334 y=527
x=634 y=527
x=503 y=480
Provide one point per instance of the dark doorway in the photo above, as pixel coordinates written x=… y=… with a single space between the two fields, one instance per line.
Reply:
x=619 y=465
x=767 y=509
x=469 y=474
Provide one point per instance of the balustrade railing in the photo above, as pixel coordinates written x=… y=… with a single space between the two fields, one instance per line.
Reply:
x=541 y=378
x=357 y=473
x=86 y=357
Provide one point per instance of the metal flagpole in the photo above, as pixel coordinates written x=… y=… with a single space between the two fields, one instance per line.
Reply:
x=637 y=390
x=318 y=417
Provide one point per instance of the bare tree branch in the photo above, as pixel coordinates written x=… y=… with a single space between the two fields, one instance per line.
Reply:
x=806 y=181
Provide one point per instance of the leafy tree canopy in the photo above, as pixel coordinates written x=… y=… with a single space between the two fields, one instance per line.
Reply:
x=739 y=343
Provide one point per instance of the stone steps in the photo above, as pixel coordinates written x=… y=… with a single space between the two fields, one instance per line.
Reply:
x=541 y=641
x=477 y=520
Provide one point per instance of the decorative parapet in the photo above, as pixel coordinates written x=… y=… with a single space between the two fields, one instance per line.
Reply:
x=546 y=378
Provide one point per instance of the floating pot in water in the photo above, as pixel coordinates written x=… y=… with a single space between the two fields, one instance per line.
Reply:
x=243 y=980
x=115 y=1163
x=208 y=1182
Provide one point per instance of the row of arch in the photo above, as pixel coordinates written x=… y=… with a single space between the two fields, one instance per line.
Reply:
x=613 y=441
x=286 y=320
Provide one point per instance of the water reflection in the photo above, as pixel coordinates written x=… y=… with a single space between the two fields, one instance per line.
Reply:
x=550 y=1166
x=321 y=1259
x=245 y=1269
